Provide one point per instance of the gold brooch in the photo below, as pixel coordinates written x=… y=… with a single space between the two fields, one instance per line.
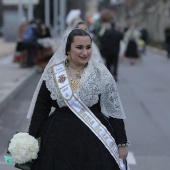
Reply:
x=62 y=78
x=75 y=85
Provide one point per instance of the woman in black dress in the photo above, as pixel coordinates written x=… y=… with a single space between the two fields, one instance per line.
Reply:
x=131 y=38
x=67 y=143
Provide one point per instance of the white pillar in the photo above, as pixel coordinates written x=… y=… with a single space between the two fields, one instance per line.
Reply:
x=47 y=13
x=55 y=12
x=55 y=17
x=20 y=11
x=62 y=15
x=30 y=10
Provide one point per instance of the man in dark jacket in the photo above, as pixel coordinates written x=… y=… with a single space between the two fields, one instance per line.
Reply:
x=109 y=48
x=29 y=39
x=167 y=40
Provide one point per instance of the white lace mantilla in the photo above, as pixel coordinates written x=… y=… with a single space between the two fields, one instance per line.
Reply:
x=94 y=81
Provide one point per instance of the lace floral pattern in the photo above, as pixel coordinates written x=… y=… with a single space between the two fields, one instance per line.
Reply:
x=88 y=91
x=110 y=101
x=95 y=81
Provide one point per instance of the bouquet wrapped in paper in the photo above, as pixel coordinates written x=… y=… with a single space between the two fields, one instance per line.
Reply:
x=23 y=148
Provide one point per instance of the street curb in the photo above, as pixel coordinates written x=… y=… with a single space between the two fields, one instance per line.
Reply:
x=157 y=51
x=11 y=93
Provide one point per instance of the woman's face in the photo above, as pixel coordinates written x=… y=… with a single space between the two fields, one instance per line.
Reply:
x=80 y=51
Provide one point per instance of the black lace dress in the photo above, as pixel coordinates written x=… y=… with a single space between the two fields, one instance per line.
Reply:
x=66 y=142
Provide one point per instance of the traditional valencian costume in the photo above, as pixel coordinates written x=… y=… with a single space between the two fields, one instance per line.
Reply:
x=86 y=126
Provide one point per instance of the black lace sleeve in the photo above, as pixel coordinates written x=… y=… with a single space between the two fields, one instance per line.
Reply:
x=41 y=110
x=119 y=131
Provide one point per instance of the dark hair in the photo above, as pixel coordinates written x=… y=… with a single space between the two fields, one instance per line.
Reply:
x=70 y=39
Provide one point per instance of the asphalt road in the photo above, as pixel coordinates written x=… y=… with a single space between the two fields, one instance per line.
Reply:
x=145 y=94
x=13 y=118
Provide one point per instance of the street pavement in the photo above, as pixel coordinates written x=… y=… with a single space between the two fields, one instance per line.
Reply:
x=145 y=94
x=12 y=76
x=6 y=48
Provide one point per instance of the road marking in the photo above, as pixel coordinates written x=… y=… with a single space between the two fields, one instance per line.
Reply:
x=131 y=159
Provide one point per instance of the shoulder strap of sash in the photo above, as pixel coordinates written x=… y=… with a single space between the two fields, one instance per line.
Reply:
x=83 y=112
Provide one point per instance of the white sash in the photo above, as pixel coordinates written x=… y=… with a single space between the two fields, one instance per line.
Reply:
x=83 y=112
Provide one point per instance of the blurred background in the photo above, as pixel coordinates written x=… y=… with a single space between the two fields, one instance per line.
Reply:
x=155 y=14
x=143 y=80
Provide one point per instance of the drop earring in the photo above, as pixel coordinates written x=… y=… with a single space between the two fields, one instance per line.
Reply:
x=67 y=61
x=68 y=57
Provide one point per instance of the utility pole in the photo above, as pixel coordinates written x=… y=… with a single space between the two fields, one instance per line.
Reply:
x=55 y=17
x=20 y=11
x=30 y=10
x=47 y=13
x=55 y=12
x=62 y=15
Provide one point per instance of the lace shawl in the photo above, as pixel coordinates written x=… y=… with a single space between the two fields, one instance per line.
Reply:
x=94 y=83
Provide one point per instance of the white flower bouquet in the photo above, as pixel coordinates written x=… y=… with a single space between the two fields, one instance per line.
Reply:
x=23 y=148
x=45 y=42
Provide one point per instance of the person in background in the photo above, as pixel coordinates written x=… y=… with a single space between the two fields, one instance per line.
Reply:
x=86 y=101
x=144 y=36
x=109 y=47
x=131 y=39
x=95 y=28
x=72 y=18
x=29 y=39
x=44 y=48
x=83 y=25
x=20 y=54
x=167 y=40
x=44 y=31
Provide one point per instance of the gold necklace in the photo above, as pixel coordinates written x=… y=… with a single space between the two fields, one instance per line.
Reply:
x=75 y=84
x=77 y=75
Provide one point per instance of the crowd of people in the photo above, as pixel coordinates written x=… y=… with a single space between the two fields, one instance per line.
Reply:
x=114 y=42
x=34 y=46
x=111 y=41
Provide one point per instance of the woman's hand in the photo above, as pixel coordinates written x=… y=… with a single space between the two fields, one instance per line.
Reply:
x=123 y=152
